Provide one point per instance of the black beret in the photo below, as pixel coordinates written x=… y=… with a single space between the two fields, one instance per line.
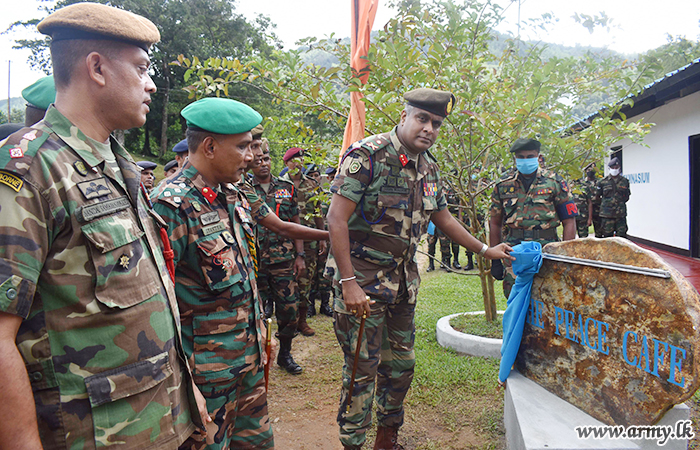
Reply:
x=170 y=165
x=614 y=162
x=431 y=100
x=525 y=144
x=331 y=170
x=588 y=166
x=7 y=129
x=147 y=165
x=95 y=21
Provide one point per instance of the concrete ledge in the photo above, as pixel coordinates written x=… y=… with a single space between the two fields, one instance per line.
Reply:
x=536 y=419
x=468 y=344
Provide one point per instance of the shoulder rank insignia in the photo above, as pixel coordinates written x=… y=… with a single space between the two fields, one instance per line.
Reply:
x=94 y=188
x=11 y=180
x=80 y=168
x=430 y=189
x=209 y=194
x=404 y=159
x=16 y=152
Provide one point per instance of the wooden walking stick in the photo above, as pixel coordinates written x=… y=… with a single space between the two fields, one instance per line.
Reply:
x=357 y=357
x=268 y=351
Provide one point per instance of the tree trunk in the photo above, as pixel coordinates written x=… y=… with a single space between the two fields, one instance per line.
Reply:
x=164 y=124
x=487 y=290
x=147 y=140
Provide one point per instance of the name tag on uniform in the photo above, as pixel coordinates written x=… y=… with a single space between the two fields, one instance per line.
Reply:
x=209 y=218
x=94 y=188
x=211 y=229
x=90 y=212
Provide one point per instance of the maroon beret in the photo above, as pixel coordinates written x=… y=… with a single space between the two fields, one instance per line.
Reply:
x=291 y=153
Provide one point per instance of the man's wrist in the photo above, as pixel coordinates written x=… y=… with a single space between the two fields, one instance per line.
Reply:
x=302 y=254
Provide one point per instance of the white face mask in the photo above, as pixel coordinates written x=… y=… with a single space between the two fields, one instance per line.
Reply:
x=614 y=172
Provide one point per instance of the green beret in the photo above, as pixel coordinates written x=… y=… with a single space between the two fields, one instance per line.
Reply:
x=41 y=94
x=220 y=116
x=95 y=21
x=431 y=100
x=525 y=144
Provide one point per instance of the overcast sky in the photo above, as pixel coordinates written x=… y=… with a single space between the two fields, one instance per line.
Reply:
x=641 y=25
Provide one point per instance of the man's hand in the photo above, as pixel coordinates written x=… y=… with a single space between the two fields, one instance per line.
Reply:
x=497 y=269
x=202 y=408
x=274 y=345
x=322 y=247
x=500 y=251
x=356 y=301
x=299 y=267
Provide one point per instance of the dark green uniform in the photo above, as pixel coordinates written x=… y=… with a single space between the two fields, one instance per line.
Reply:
x=583 y=191
x=530 y=214
x=395 y=198
x=614 y=192
x=81 y=262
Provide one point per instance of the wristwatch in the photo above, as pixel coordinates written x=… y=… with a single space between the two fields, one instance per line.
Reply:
x=302 y=254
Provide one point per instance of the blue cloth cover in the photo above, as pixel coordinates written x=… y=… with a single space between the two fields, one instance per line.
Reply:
x=431 y=228
x=528 y=260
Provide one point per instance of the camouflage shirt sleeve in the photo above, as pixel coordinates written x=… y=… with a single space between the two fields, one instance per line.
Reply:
x=354 y=175
x=496 y=202
x=24 y=243
x=562 y=193
x=258 y=208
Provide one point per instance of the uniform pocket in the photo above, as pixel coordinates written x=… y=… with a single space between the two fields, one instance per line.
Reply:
x=131 y=404
x=218 y=262
x=125 y=274
x=219 y=342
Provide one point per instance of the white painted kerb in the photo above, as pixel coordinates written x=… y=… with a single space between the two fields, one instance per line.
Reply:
x=468 y=344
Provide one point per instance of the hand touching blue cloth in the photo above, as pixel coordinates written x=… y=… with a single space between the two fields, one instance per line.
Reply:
x=528 y=260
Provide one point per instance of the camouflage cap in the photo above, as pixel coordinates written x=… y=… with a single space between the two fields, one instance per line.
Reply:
x=525 y=144
x=147 y=165
x=257 y=131
x=431 y=100
x=220 y=116
x=614 y=162
x=41 y=93
x=95 y=21
x=181 y=147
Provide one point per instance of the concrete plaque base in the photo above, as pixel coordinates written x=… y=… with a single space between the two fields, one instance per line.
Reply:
x=536 y=419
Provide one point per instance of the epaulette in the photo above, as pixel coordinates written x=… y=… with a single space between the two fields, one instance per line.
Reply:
x=508 y=175
x=374 y=143
x=282 y=180
x=20 y=148
x=169 y=196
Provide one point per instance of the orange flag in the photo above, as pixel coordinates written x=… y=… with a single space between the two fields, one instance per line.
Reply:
x=362 y=13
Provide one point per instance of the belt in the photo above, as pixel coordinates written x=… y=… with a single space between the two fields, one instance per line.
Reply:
x=522 y=234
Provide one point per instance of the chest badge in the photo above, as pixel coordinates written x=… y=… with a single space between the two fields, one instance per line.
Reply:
x=124 y=262
x=430 y=189
x=209 y=218
x=228 y=237
x=79 y=167
x=282 y=193
x=196 y=205
x=94 y=188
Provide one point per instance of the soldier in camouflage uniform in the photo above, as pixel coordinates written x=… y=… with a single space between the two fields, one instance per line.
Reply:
x=386 y=191
x=614 y=192
x=530 y=202
x=280 y=259
x=211 y=228
x=89 y=320
x=583 y=192
x=321 y=287
x=307 y=191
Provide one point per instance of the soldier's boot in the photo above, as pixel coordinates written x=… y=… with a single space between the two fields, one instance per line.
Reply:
x=284 y=357
x=269 y=308
x=445 y=265
x=456 y=264
x=325 y=308
x=470 y=262
x=431 y=265
x=312 y=305
x=302 y=326
x=386 y=439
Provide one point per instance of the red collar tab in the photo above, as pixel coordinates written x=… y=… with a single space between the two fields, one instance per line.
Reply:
x=209 y=194
x=404 y=159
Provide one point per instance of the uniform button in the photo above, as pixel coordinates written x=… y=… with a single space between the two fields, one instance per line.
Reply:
x=37 y=376
x=11 y=293
x=379 y=203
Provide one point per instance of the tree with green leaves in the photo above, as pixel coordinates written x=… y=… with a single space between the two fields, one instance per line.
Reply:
x=204 y=27
x=445 y=45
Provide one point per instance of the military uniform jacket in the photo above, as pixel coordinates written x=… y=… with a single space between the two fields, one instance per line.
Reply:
x=395 y=199
x=539 y=208
x=308 y=208
x=583 y=190
x=282 y=199
x=614 y=193
x=214 y=275
x=81 y=262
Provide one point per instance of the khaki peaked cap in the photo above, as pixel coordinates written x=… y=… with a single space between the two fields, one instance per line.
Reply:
x=96 y=21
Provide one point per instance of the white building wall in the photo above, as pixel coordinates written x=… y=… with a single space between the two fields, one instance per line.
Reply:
x=659 y=207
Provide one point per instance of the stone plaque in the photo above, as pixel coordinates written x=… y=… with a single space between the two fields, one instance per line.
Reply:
x=622 y=347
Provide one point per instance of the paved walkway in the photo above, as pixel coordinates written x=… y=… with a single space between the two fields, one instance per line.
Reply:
x=689 y=267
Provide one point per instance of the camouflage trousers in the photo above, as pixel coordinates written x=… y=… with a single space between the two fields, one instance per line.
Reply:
x=448 y=249
x=384 y=370
x=613 y=227
x=582 y=227
x=276 y=283
x=306 y=279
x=509 y=278
x=321 y=284
x=239 y=412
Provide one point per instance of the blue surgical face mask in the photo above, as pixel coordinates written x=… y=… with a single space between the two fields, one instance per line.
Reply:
x=527 y=166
